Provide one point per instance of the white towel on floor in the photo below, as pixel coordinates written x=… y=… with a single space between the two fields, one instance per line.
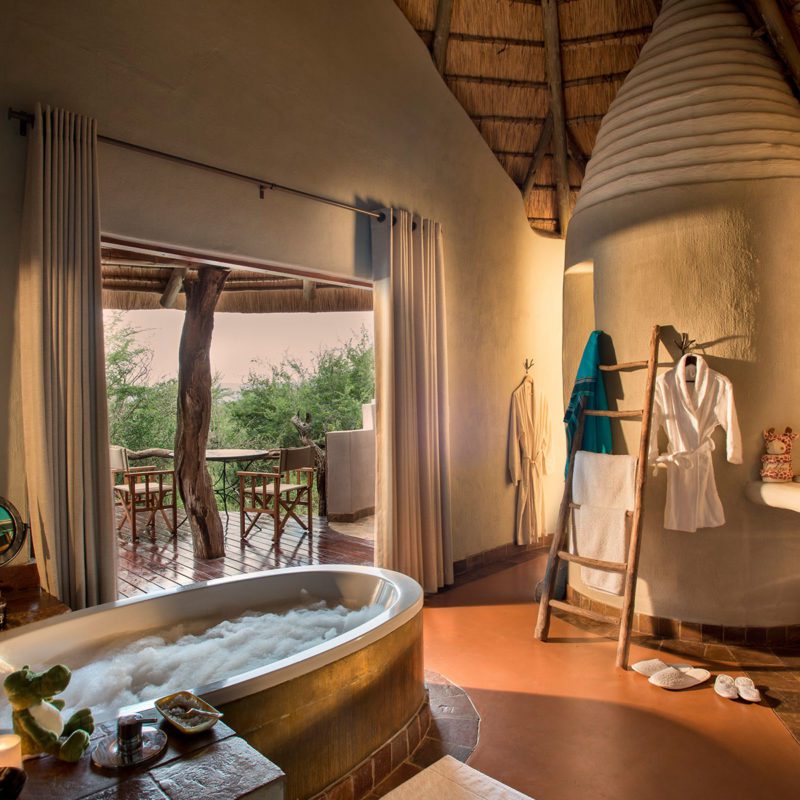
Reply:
x=604 y=487
x=604 y=480
x=601 y=533
x=448 y=779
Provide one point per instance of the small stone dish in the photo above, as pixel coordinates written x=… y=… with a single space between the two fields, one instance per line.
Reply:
x=187 y=712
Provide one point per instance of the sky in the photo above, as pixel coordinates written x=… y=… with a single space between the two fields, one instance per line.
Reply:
x=242 y=340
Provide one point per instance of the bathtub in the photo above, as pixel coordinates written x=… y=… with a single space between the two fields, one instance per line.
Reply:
x=316 y=714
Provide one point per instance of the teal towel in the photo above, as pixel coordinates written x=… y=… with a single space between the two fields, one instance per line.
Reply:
x=589 y=384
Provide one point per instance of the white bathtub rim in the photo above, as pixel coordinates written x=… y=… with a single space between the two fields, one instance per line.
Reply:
x=407 y=605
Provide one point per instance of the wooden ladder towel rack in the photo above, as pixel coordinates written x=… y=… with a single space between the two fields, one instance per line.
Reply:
x=630 y=567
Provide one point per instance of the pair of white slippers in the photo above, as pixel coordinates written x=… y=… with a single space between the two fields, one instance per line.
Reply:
x=733 y=689
x=684 y=676
x=671 y=676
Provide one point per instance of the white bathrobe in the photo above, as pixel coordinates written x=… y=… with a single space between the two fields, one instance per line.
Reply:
x=690 y=413
x=528 y=441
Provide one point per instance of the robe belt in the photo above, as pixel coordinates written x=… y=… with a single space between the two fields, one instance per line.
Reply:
x=537 y=461
x=685 y=458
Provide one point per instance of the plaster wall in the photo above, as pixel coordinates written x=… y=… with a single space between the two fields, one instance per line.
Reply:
x=715 y=260
x=337 y=98
x=350 y=473
x=578 y=320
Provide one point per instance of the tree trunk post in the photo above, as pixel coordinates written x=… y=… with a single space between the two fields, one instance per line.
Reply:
x=320 y=459
x=194 y=412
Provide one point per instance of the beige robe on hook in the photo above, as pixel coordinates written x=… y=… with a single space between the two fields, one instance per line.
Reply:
x=690 y=413
x=528 y=442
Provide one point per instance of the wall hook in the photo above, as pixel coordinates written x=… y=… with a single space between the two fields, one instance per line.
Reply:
x=685 y=343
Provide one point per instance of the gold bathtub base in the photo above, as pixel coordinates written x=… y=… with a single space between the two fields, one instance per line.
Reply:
x=378 y=766
x=321 y=726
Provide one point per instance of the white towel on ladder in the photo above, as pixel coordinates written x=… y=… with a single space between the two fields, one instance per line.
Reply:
x=601 y=533
x=604 y=487
x=604 y=480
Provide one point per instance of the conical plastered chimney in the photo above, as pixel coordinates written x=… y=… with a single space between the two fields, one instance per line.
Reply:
x=705 y=102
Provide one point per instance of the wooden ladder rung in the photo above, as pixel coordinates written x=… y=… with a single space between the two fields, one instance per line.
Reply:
x=584 y=612
x=594 y=563
x=625 y=365
x=591 y=412
x=576 y=506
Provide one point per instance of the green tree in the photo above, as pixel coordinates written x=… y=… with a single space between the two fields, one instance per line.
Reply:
x=339 y=380
x=141 y=413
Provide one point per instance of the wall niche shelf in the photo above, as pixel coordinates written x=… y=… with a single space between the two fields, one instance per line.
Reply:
x=776 y=495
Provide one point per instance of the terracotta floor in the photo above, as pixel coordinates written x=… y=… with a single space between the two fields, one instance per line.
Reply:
x=151 y=566
x=559 y=722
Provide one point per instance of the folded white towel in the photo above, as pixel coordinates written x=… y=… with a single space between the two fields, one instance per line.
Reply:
x=601 y=533
x=604 y=480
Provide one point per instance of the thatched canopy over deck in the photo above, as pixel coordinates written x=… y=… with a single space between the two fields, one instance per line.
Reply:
x=493 y=55
x=133 y=281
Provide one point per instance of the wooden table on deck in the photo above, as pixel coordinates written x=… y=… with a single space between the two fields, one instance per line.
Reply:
x=225 y=456
x=235 y=456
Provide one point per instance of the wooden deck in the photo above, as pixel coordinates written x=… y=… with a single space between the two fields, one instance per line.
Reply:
x=167 y=562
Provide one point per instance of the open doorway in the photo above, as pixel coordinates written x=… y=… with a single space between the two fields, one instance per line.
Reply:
x=292 y=363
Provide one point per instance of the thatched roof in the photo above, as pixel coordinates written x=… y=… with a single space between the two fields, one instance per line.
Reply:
x=493 y=59
x=137 y=281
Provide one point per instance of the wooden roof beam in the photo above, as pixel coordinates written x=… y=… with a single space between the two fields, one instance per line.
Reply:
x=552 y=55
x=626 y=36
x=538 y=154
x=581 y=118
x=157 y=287
x=516 y=83
x=173 y=287
x=782 y=34
x=441 y=35
x=654 y=6
x=576 y=153
x=549 y=187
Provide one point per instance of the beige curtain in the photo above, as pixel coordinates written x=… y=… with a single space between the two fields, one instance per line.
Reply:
x=413 y=455
x=65 y=422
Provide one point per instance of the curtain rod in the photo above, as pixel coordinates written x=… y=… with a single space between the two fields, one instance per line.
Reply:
x=26 y=119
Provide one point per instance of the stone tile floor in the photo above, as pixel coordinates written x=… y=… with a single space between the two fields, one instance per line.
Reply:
x=454 y=731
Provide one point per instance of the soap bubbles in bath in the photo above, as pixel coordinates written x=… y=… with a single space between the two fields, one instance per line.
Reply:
x=190 y=656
